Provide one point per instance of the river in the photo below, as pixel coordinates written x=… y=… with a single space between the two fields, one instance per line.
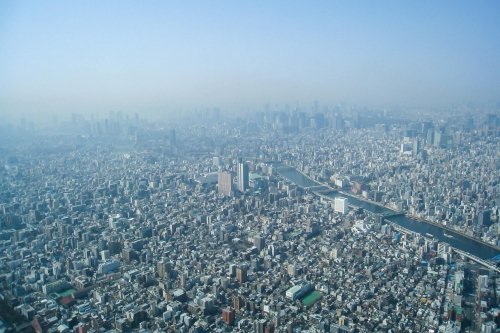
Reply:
x=456 y=240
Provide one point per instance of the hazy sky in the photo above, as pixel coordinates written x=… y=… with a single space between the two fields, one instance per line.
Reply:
x=97 y=56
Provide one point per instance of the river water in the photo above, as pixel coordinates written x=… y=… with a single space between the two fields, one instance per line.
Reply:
x=456 y=240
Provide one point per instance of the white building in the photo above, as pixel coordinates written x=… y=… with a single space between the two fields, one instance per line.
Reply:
x=341 y=205
x=225 y=182
x=243 y=177
x=299 y=290
x=293 y=292
x=108 y=267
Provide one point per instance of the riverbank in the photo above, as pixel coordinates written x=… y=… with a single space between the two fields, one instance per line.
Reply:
x=444 y=227
x=420 y=220
x=465 y=254
x=367 y=200
x=461 y=241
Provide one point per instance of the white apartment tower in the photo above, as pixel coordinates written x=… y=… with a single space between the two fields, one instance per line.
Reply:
x=341 y=205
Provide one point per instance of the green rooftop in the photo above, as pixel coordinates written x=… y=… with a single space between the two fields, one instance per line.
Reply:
x=65 y=293
x=311 y=298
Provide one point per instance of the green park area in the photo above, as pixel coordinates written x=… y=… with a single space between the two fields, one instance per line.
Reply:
x=66 y=293
x=311 y=298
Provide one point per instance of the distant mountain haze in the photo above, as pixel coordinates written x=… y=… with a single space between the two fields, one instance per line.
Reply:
x=59 y=57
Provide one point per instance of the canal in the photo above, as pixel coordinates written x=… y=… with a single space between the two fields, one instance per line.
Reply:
x=456 y=240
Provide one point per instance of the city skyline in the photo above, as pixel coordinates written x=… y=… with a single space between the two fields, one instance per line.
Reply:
x=266 y=167
x=346 y=223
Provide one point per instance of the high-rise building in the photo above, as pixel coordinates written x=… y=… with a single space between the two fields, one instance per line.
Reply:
x=241 y=274
x=484 y=218
x=238 y=302
x=163 y=268
x=440 y=138
x=243 y=177
x=260 y=326
x=228 y=315
x=225 y=182
x=416 y=147
x=483 y=281
x=259 y=242
x=341 y=205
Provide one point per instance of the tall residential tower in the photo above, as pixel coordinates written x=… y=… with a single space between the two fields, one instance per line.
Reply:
x=243 y=177
x=225 y=182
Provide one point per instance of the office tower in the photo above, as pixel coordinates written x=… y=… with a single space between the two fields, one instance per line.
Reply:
x=105 y=255
x=238 y=302
x=259 y=242
x=171 y=137
x=225 y=182
x=338 y=122
x=260 y=326
x=430 y=137
x=243 y=177
x=241 y=274
x=228 y=315
x=406 y=148
x=416 y=147
x=341 y=205
x=163 y=268
x=184 y=280
x=438 y=138
x=483 y=281
x=425 y=127
x=484 y=218
x=491 y=121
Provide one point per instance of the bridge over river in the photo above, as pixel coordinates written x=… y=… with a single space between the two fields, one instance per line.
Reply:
x=463 y=243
